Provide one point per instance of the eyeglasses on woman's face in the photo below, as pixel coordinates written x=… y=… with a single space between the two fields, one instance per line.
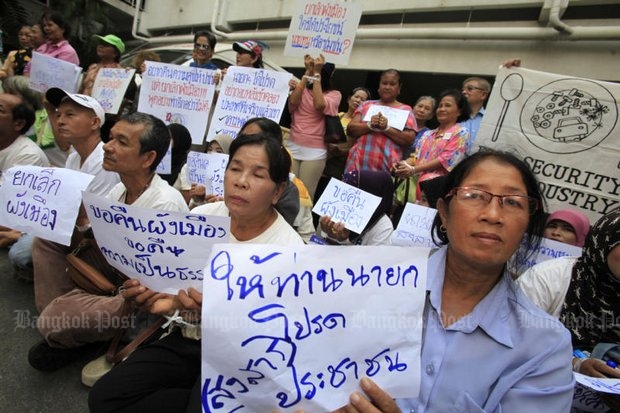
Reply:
x=479 y=198
x=199 y=46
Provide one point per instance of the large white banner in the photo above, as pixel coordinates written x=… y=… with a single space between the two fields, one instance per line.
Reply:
x=566 y=129
x=248 y=93
x=178 y=94
x=296 y=328
x=47 y=72
x=323 y=27
x=165 y=250
x=42 y=201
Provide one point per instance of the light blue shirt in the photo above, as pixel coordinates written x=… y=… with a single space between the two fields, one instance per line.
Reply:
x=473 y=125
x=505 y=356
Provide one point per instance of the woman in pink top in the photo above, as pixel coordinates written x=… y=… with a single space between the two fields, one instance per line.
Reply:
x=56 y=30
x=312 y=99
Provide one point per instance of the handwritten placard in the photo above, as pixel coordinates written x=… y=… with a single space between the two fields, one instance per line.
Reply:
x=397 y=118
x=323 y=27
x=165 y=165
x=604 y=385
x=178 y=94
x=42 y=201
x=548 y=250
x=348 y=204
x=247 y=93
x=207 y=169
x=47 y=72
x=110 y=87
x=414 y=227
x=166 y=250
x=286 y=329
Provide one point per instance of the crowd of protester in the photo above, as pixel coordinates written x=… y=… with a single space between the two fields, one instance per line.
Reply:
x=519 y=369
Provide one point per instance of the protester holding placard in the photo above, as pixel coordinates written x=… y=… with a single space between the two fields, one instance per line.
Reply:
x=57 y=31
x=383 y=128
x=439 y=150
x=476 y=318
x=583 y=293
x=204 y=47
x=109 y=51
x=312 y=99
x=193 y=192
x=379 y=229
x=165 y=376
x=137 y=144
x=16 y=117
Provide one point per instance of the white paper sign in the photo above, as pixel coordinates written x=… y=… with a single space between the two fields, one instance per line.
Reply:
x=567 y=129
x=548 y=250
x=207 y=169
x=165 y=250
x=397 y=118
x=42 y=201
x=110 y=87
x=348 y=204
x=603 y=385
x=178 y=94
x=323 y=27
x=248 y=93
x=47 y=72
x=287 y=330
x=414 y=227
x=165 y=165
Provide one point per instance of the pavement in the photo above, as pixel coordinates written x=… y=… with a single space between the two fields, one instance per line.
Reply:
x=22 y=388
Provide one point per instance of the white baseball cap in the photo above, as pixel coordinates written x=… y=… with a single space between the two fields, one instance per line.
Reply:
x=56 y=95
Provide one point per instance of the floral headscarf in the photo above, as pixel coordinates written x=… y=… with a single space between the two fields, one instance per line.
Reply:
x=592 y=305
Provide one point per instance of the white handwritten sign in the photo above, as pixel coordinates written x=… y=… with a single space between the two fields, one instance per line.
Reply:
x=567 y=129
x=42 y=201
x=397 y=118
x=207 y=169
x=110 y=86
x=286 y=330
x=603 y=385
x=165 y=165
x=47 y=72
x=323 y=27
x=178 y=94
x=348 y=204
x=548 y=250
x=414 y=227
x=165 y=250
x=247 y=93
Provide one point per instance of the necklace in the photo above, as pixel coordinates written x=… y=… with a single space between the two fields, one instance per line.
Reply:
x=144 y=188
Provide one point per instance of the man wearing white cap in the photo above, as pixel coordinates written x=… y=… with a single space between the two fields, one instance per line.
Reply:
x=77 y=120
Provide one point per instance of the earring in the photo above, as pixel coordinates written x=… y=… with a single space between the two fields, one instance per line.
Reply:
x=442 y=228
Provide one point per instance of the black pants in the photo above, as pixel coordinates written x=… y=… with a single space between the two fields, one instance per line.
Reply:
x=163 y=376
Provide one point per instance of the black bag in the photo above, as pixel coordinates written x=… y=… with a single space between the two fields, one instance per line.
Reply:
x=334 y=132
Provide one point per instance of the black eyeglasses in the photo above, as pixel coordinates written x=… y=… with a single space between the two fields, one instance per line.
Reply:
x=478 y=198
x=470 y=88
x=202 y=46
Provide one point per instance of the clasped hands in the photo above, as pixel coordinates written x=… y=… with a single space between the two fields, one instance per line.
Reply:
x=188 y=303
x=378 y=123
x=334 y=230
x=403 y=169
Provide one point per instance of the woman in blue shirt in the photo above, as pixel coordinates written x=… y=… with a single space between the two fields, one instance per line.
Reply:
x=486 y=347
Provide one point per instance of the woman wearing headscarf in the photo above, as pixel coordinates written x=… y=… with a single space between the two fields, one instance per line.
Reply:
x=568 y=226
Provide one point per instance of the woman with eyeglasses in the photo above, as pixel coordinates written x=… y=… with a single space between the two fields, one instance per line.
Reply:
x=438 y=150
x=485 y=346
x=204 y=47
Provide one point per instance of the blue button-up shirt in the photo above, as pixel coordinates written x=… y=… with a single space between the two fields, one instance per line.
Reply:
x=505 y=356
x=473 y=125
